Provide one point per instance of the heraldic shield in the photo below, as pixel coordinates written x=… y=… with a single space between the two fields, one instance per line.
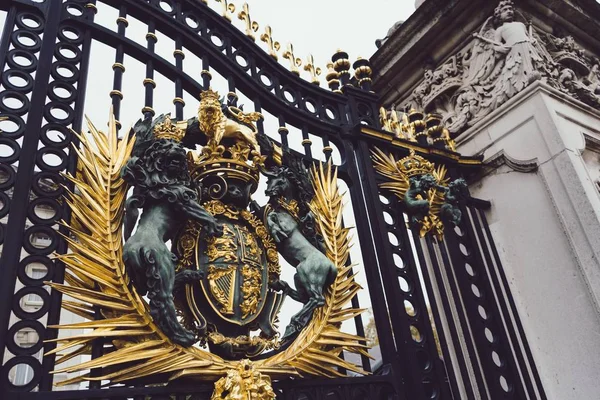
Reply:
x=235 y=279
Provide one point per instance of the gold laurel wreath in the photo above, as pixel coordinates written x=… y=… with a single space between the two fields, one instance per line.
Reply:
x=102 y=293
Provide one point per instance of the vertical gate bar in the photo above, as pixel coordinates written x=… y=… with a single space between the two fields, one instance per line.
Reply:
x=149 y=83
x=327 y=150
x=512 y=305
x=358 y=322
x=453 y=333
x=446 y=363
x=520 y=362
x=116 y=94
x=59 y=272
x=232 y=96
x=306 y=142
x=260 y=123
x=179 y=56
x=375 y=245
x=178 y=100
x=417 y=296
x=482 y=342
x=16 y=219
x=206 y=76
x=283 y=131
x=510 y=364
x=457 y=295
x=360 y=331
x=9 y=24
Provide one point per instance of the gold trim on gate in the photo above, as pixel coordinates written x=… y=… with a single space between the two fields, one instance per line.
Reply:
x=149 y=110
x=414 y=146
x=118 y=65
x=150 y=81
x=116 y=93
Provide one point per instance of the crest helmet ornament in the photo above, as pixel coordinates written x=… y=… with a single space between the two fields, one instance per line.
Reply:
x=168 y=130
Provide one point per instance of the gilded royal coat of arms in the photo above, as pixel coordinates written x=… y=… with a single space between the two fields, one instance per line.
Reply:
x=173 y=262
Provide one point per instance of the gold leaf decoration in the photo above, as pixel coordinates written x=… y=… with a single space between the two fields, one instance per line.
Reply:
x=244 y=383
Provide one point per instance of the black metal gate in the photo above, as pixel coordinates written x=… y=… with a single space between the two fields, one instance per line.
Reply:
x=446 y=324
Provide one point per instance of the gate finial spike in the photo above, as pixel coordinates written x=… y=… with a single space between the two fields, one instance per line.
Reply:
x=272 y=45
x=227 y=8
x=312 y=70
x=295 y=62
x=251 y=26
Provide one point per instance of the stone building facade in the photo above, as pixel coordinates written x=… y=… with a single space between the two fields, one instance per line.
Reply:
x=518 y=83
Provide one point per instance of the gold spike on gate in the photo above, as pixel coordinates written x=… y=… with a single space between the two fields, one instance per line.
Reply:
x=251 y=26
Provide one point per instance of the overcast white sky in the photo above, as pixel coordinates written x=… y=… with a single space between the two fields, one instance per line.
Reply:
x=317 y=27
x=321 y=27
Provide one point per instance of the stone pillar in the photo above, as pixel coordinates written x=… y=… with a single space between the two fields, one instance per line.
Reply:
x=545 y=220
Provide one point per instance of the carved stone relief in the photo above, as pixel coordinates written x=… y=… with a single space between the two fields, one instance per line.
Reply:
x=507 y=54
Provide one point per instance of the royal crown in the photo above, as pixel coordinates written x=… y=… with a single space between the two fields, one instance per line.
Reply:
x=414 y=165
x=210 y=97
x=168 y=130
x=231 y=151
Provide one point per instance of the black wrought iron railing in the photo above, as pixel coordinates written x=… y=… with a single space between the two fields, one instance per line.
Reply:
x=446 y=324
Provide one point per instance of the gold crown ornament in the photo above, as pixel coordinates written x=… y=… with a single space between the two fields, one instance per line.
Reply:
x=210 y=98
x=232 y=150
x=414 y=165
x=169 y=130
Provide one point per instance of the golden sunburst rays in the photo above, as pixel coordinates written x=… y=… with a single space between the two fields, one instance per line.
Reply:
x=98 y=290
x=96 y=282
x=317 y=349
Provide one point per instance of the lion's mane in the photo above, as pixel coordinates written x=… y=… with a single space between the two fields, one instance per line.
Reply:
x=161 y=173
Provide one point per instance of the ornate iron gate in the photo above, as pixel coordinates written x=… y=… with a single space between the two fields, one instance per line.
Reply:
x=446 y=324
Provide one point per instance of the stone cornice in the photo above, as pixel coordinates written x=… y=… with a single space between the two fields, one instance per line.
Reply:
x=398 y=64
x=520 y=98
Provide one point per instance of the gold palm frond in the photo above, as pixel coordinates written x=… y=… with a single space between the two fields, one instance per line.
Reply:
x=437 y=196
x=96 y=279
x=388 y=167
x=317 y=349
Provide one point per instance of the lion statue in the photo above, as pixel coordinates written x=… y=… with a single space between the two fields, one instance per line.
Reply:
x=162 y=188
